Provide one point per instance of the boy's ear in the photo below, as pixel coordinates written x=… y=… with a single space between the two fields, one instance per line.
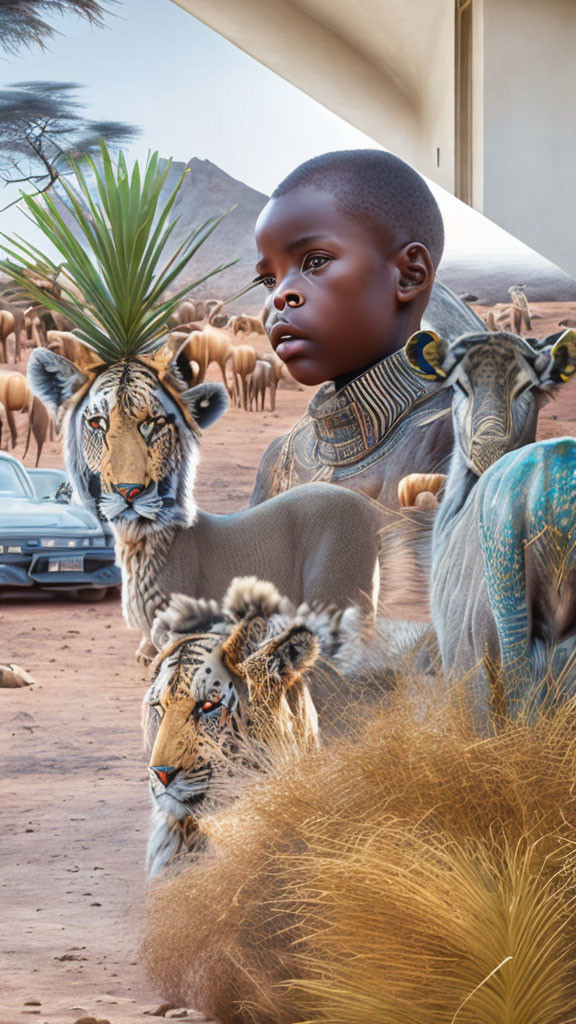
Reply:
x=416 y=271
x=426 y=352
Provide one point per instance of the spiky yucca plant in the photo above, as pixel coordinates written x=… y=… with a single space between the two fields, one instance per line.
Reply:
x=120 y=309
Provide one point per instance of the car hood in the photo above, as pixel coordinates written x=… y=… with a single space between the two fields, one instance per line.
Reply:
x=22 y=514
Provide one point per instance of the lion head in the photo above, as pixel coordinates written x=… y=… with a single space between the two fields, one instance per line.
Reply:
x=131 y=432
x=229 y=696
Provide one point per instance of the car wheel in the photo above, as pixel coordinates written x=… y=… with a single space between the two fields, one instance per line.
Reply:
x=89 y=595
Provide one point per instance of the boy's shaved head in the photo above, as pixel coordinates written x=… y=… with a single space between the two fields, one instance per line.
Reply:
x=377 y=189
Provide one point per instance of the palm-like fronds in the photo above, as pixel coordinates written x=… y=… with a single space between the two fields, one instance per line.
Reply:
x=120 y=310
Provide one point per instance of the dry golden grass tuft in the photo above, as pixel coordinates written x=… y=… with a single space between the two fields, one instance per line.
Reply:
x=408 y=873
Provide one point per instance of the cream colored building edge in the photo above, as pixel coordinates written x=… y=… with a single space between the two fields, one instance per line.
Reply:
x=390 y=69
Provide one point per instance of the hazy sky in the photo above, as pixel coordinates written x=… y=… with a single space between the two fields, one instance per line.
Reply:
x=195 y=94
x=192 y=92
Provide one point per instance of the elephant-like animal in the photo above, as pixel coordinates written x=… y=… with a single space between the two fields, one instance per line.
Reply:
x=503 y=563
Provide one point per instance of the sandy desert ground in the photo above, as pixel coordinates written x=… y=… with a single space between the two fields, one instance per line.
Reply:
x=75 y=804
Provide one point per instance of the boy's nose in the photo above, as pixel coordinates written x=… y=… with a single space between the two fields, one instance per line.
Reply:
x=288 y=299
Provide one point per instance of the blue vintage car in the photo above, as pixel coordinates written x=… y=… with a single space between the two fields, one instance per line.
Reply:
x=46 y=540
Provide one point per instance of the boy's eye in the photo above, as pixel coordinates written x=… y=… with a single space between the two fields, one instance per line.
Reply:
x=314 y=261
x=267 y=280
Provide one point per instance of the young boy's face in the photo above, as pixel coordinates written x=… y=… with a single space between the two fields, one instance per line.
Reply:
x=333 y=303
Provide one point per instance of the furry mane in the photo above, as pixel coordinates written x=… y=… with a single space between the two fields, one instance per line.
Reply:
x=184 y=615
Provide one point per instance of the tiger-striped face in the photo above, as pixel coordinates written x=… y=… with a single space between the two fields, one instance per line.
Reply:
x=227 y=698
x=194 y=715
x=134 y=445
x=131 y=433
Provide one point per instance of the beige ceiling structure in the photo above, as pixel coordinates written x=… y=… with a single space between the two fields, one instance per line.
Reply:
x=477 y=94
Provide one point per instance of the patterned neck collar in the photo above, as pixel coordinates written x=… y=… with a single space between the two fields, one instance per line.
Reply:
x=353 y=421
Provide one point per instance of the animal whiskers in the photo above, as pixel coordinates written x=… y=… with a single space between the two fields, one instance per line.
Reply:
x=184 y=793
x=150 y=505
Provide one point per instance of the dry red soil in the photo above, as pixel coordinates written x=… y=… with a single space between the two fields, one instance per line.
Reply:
x=75 y=805
x=75 y=809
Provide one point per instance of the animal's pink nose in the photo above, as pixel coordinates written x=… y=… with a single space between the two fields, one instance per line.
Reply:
x=164 y=772
x=130 y=491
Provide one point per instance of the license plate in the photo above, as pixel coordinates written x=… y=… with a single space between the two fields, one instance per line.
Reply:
x=65 y=564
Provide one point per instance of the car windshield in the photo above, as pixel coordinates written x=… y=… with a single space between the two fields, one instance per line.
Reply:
x=11 y=482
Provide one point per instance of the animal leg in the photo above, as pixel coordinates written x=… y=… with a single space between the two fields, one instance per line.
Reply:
x=28 y=432
x=39 y=436
x=222 y=366
x=12 y=427
x=146 y=651
x=505 y=573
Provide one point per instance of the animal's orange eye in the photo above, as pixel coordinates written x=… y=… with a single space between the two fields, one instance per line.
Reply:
x=209 y=705
x=98 y=423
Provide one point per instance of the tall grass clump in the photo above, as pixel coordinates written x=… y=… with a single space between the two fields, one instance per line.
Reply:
x=411 y=873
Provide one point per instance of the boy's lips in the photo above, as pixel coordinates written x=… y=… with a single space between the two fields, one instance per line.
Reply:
x=287 y=341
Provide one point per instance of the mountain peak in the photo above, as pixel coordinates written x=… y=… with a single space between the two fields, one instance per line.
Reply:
x=208 y=191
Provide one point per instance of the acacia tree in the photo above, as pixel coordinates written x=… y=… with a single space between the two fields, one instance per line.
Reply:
x=42 y=126
x=23 y=24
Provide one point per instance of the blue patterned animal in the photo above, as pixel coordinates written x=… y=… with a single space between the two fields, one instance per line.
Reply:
x=503 y=581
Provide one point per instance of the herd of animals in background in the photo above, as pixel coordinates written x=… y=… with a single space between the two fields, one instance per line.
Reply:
x=515 y=316
x=207 y=335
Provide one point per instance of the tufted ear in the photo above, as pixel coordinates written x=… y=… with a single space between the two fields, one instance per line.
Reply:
x=426 y=352
x=183 y=616
x=52 y=378
x=247 y=596
x=207 y=402
x=561 y=365
x=280 y=661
